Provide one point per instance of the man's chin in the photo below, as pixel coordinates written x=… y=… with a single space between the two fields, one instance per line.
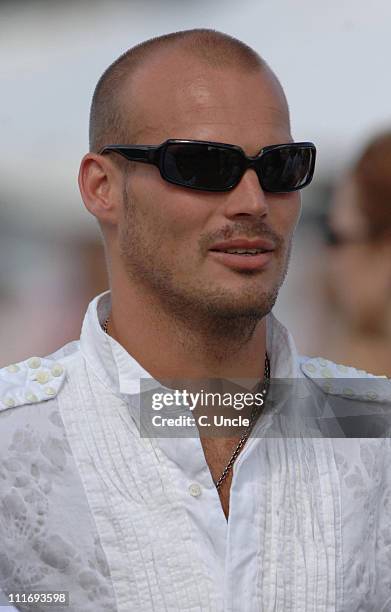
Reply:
x=239 y=308
x=250 y=313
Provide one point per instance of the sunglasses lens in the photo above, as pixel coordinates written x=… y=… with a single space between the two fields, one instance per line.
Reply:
x=286 y=169
x=202 y=166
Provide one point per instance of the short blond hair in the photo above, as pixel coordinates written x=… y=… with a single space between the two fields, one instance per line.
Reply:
x=216 y=49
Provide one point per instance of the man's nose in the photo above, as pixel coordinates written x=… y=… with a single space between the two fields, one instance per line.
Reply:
x=248 y=197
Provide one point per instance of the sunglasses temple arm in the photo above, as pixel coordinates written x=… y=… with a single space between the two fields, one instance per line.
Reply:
x=145 y=154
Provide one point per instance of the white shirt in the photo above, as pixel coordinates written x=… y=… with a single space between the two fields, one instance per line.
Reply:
x=125 y=523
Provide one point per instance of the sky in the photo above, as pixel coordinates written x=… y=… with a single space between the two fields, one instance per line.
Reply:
x=331 y=57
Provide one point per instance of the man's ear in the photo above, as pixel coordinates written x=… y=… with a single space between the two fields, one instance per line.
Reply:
x=100 y=184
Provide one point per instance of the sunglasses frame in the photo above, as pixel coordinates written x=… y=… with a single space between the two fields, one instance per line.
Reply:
x=154 y=154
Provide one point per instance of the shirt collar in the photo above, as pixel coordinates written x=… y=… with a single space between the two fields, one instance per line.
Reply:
x=111 y=363
x=282 y=351
x=121 y=373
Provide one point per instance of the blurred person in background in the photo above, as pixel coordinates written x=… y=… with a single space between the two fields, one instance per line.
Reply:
x=358 y=263
x=197 y=249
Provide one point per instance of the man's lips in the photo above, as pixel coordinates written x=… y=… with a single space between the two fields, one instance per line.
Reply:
x=242 y=243
x=243 y=261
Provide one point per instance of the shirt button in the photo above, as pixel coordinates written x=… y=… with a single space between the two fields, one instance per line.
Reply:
x=42 y=377
x=195 y=489
x=34 y=363
x=57 y=369
x=31 y=397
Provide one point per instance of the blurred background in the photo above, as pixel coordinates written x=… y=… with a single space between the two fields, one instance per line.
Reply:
x=333 y=61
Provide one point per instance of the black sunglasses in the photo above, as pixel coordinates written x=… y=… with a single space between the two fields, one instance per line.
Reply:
x=215 y=166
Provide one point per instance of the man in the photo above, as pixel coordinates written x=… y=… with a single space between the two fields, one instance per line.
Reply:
x=197 y=238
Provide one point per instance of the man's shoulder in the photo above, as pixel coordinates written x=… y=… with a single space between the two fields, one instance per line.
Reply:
x=346 y=381
x=35 y=379
x=320 y=367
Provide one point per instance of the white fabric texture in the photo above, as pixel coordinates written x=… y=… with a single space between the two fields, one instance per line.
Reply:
x=121 y=529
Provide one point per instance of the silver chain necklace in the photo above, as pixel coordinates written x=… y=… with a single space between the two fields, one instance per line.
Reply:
x=105 y=324
x=253 y=417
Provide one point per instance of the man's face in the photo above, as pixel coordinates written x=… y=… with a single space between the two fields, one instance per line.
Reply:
x=167 y=233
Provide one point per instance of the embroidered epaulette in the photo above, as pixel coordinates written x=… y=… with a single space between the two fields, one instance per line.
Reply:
x=34 y=380
x=332 y=379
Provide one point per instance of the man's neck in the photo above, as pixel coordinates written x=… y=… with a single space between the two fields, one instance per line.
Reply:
x=170 y=347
